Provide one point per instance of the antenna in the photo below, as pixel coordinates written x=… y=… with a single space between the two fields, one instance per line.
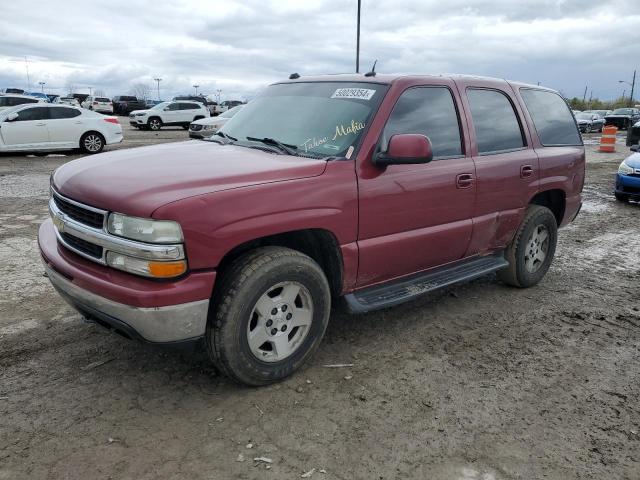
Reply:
x=293 y=76
x=372 y=73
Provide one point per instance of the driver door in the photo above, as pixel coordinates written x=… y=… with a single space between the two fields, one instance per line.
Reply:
x=28 y=131
x=416 y=217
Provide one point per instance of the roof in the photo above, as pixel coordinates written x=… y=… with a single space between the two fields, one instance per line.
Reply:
x=388 y=78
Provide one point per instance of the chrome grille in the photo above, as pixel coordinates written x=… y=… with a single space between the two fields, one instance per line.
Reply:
x=74 y=210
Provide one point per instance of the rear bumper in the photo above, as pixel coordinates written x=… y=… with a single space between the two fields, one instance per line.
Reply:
x=148 y=310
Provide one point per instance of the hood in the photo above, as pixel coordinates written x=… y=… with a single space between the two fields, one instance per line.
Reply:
x=633 y=160
x=211 y=121
x=617 y=115
x=137 y=181
x=133 y=112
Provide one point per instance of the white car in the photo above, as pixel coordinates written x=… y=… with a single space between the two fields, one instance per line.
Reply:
x=68 y=101
x=49 y=127
x=98 y=104
x=206 y=127
x=180 y=113
x=12 y=100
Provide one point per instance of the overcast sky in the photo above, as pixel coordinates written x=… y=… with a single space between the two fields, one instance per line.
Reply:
x=240 y=46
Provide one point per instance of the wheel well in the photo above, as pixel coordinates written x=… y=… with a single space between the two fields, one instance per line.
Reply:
x=554 y=200
x=321 y=245
x=154 y=116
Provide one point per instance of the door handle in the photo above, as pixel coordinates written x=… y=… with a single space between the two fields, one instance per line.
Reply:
x=526 y=171
x=464 y=180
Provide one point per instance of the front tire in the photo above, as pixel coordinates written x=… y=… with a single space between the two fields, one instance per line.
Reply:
x=588 y=129
x=621 y=197
x=92 y=142
x=531 y=252
x=271 y=310
x=154 y=124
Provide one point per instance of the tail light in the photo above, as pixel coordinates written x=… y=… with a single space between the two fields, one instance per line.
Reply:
x=112 y=120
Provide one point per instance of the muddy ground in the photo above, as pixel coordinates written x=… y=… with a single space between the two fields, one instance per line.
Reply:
x=479 y=382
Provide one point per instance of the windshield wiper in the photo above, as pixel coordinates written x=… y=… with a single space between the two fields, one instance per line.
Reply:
x=284 y=147
x=224 y=135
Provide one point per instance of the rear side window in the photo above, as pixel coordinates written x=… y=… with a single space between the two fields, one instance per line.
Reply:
x=35 y=113
x=56 y=113
x=188 y=106
x=13 y=101
x=551 y=117
x=495 y=121
x=427 y=111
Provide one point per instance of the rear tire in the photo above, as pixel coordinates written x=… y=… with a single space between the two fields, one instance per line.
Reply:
x=92 y=142
x=270 y=311
x=531 y=252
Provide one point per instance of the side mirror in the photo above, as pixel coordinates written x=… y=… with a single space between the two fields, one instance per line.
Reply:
x=11 y=117
x=405 y=149
x=635 y=148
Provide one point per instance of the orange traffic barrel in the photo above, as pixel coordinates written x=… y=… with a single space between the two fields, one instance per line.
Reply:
x=608 y=139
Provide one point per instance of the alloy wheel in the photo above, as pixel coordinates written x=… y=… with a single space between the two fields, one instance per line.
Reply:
x=93 y=143
x=280 y=321
x=537 y=248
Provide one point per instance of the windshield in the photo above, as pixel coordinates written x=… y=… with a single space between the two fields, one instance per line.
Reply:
x=584 y=116
x=319 y=119
x=622 y=111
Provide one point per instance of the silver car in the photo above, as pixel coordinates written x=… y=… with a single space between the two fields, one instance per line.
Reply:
x=205 y=127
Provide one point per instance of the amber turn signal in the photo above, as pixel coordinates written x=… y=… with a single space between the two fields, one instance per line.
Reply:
x=167 y=269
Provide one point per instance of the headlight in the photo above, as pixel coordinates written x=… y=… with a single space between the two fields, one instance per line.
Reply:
x=144 y=229
x=140 y=114
x=625 y=169
x=210 y=127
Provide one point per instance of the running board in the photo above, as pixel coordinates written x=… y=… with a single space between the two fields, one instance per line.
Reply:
x=408 y=288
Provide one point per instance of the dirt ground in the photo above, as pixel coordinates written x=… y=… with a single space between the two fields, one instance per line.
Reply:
x=478 y=382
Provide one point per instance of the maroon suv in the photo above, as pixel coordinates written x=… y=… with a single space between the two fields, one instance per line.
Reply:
x=372 y=188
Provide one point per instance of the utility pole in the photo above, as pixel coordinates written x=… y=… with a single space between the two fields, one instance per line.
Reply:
x=196 y=87
x=584 y=97
x=218 y=93
x=158 y=80
x=42 y=84
x=632 y=83
x=26 y=64
x=358 y=41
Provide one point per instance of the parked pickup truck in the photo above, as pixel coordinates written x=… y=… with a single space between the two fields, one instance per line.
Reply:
x=376 y=189
x=125 y=104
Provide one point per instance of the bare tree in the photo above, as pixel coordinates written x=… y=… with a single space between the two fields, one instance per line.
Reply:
x=141 y=90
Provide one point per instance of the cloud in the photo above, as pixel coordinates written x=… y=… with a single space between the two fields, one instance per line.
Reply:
x=240 y=46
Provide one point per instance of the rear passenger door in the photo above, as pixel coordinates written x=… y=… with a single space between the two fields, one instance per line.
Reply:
x=506 y=165
x=65 y=127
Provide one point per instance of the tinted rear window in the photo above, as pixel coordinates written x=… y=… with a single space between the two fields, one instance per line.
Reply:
x=125 y=98
x=102 y=99
x=551 y=117
x=495 y=121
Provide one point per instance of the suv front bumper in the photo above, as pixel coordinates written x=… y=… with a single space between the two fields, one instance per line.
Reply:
x=147 y=310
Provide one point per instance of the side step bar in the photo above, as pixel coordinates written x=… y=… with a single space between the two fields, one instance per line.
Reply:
x=408 y=288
